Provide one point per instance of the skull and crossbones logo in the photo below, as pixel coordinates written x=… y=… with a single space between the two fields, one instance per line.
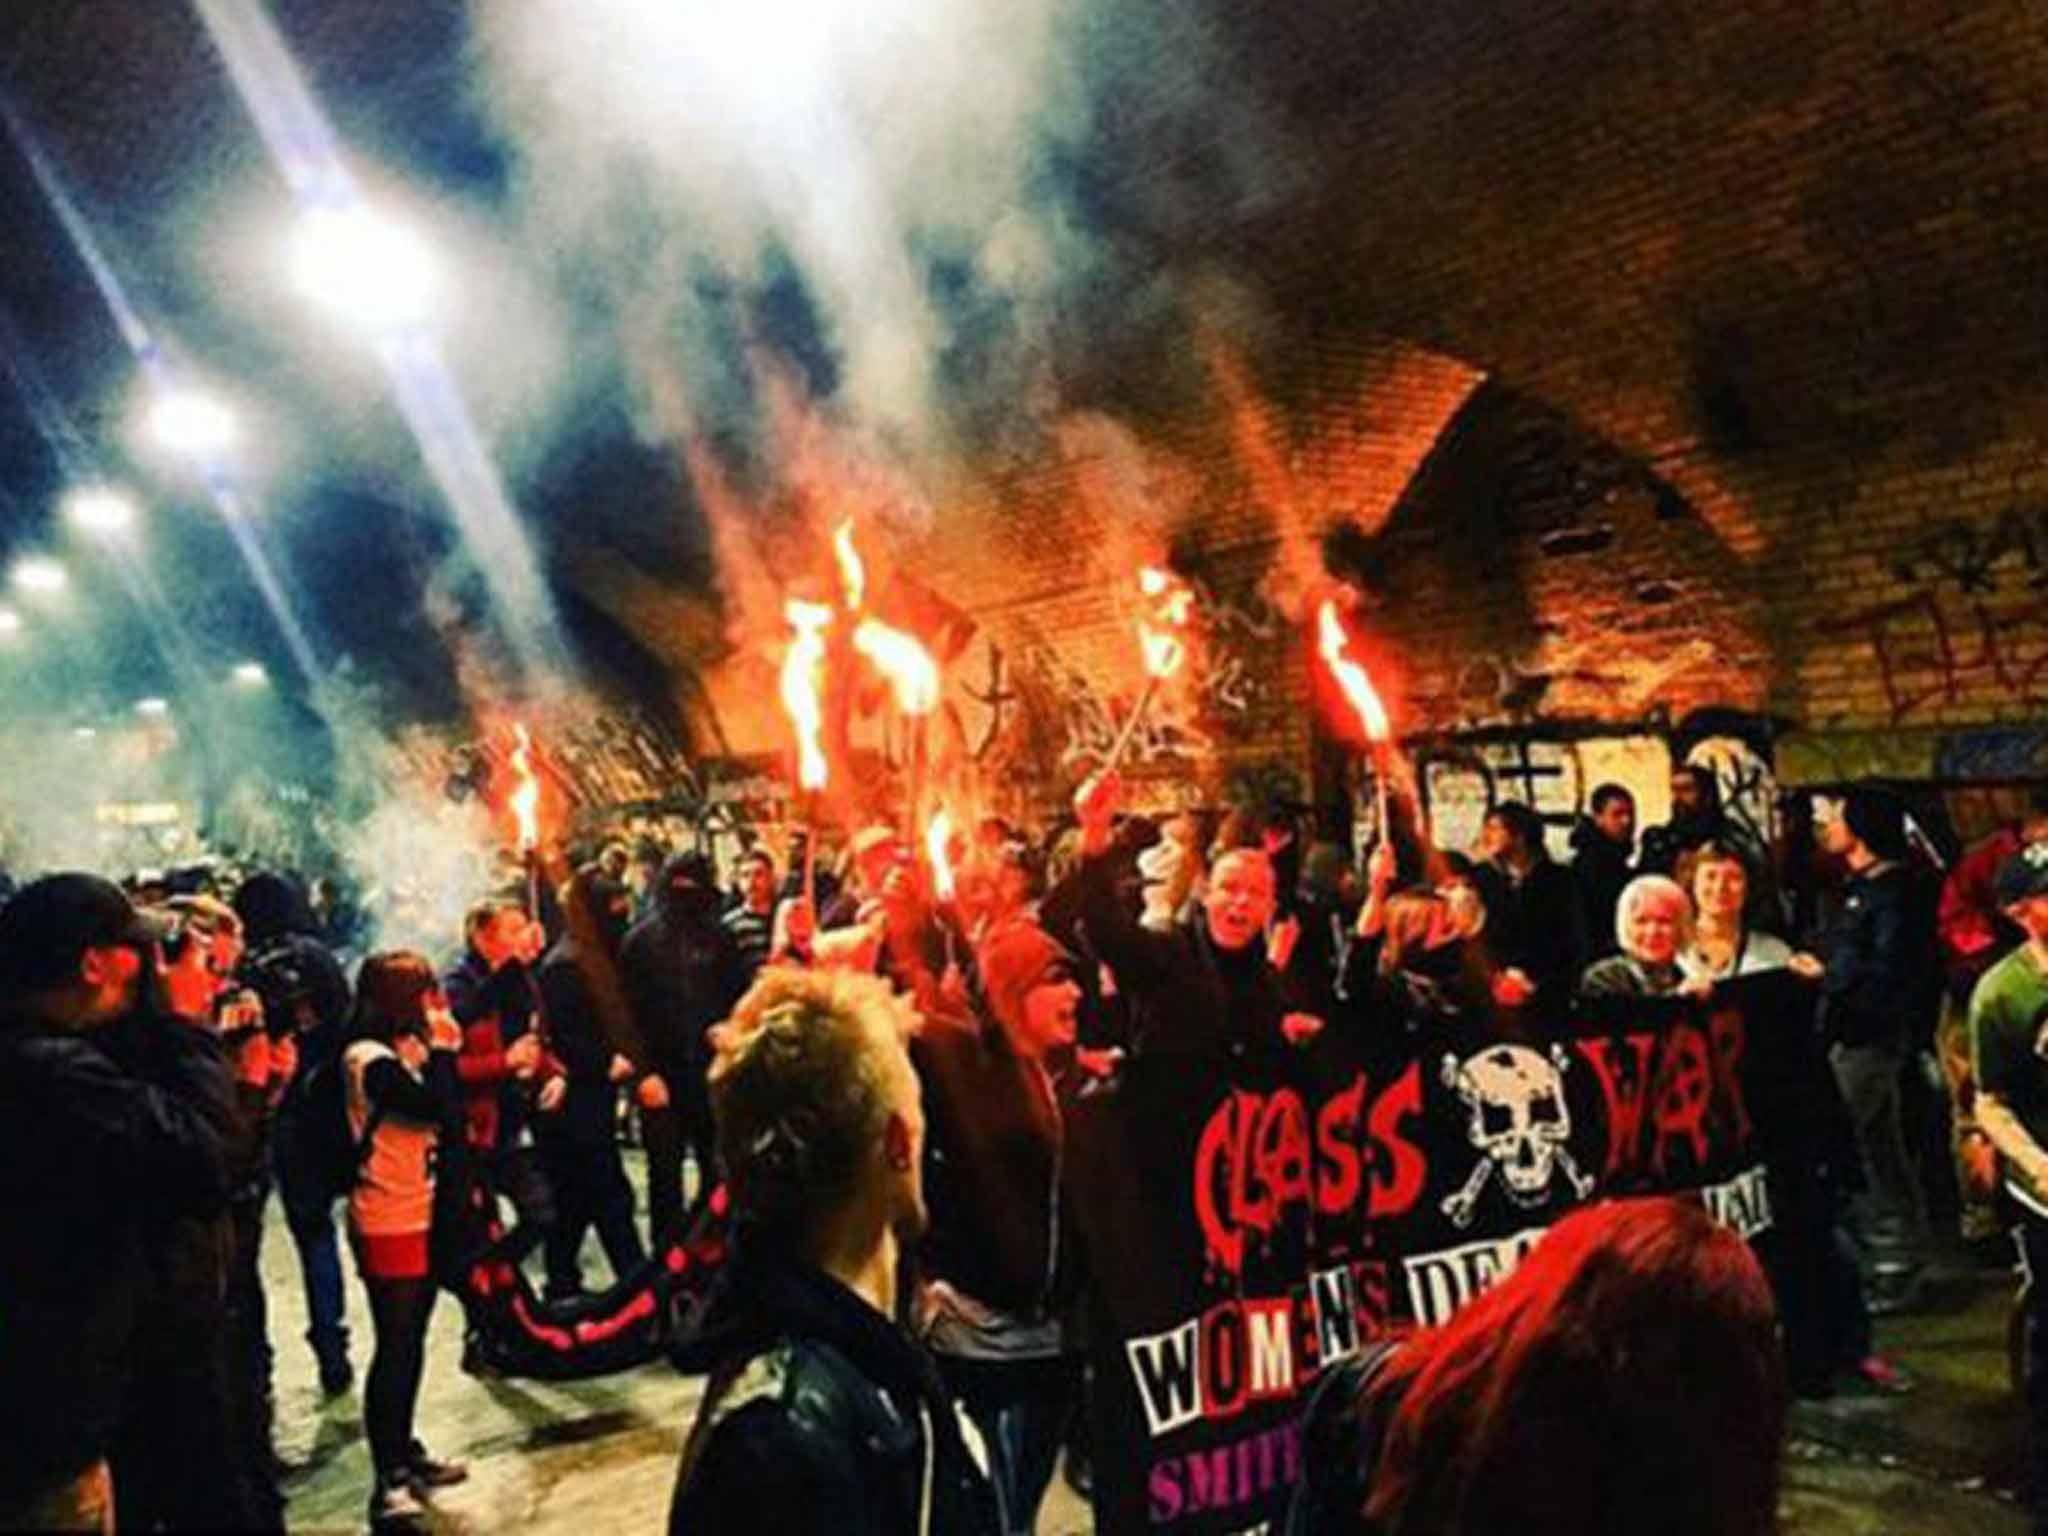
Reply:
x=1519 y=1120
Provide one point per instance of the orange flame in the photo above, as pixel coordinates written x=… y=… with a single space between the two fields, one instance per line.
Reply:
x=1350 y=676
x=938 y=834
x=852 y=572
x=913 y=675
x=802 y=693
x=1158 y=640
x=525 y=796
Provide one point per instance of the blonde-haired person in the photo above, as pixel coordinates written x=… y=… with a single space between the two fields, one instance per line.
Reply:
x=821 y=1413
x=1723 y=944
x=1652 y=922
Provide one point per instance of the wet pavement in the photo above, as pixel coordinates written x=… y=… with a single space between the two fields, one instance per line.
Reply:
x=593 y=1456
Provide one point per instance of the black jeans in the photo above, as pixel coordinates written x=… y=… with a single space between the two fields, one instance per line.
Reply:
x=250 y=1404
x=590 y=1190
x=399 y=1310
x=685 y=1126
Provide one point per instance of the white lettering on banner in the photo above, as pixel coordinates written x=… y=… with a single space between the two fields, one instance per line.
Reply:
x=1336 y=1303
x=1440 y=1283
x=1272 y=1349
x=1169 y=1384
x=1743 y=1204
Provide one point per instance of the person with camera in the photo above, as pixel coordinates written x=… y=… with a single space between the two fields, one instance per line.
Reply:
x=95 y=1157
x=305 y=995
x=400 y=1073
x=263 y=1054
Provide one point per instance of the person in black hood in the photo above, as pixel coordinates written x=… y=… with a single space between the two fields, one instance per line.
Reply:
x=304 y=993
x=591 y=1030
x=822 y=1414
x=92 y=1158
x=1603 y=846
x=683 y=973
x=1696 y=818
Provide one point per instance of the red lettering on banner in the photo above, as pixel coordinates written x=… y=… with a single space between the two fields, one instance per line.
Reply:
x=1338 y=1176
x=1730 y=1036
x=1685 y=1092
x=1254 y=1160
x=1397 y=1185
x=1625 y=1085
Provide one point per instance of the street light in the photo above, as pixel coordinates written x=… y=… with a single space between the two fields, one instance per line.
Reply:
x=84 y=732
x=153 y=707
x=101 y=510
x=250 y=674
x=369 y=271
x=192 y=423
x=38 y=573
x=10 y=622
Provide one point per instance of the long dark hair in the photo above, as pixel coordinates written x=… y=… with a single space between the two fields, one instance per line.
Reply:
x=392 y=989
x=1626 y=1377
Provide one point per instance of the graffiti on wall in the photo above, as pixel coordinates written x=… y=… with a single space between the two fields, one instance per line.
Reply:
x=1974 y=622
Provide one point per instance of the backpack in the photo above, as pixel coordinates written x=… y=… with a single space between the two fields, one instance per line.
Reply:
x=316 y=1138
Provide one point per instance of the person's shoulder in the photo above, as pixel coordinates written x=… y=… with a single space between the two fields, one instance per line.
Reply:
x=361 y=1053
x=794 y=1405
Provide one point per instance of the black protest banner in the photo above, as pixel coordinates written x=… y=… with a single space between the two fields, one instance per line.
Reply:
x=1248 y=1222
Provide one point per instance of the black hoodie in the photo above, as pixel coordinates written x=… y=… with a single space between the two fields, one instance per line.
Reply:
x=821 y=1415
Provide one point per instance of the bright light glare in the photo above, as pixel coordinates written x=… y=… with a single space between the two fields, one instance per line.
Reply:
x=152 y=706
x=193 y=424
x=250 y=674
x=84 y=732
x=10 y=622
x=36 y=574
x=369 y=271
x=100 y=509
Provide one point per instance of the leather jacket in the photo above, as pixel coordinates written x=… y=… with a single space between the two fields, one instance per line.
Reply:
x=821 y=1415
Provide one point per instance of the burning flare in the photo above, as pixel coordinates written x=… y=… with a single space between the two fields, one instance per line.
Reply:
x=913 y=675
x=525 y=796
x=1350 y=676
x=938 y=835
x=802 y=691
x=852 y=573
x=1158 y=636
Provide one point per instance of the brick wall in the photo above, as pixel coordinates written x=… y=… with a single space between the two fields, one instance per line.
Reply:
x=1663 y=379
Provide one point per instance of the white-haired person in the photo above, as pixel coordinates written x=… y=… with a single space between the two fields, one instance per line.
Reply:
x=1651 y=921
x=822 y=1414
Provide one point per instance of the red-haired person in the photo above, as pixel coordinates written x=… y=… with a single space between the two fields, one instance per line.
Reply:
x=400 y=1067
x=1626 y=1377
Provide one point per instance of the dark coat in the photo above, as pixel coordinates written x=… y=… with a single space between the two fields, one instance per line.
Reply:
x=683 y=972
x=992 y=1170
x=91 y=1159
x=1600 y=870
x=1532 y=925
x=821 y=1416
x=1183 y=993
x=1881 y=977
x=585 y=1039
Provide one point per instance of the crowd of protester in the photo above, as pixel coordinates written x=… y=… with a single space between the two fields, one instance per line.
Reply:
x=880 y=1076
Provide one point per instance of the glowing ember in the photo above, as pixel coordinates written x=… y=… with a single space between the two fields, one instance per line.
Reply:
x=851 y=571
x=1158 y=637
x=938 y=834
x=525 y=796
x=1350 y=676
x=802 y=690
x=913 y=675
